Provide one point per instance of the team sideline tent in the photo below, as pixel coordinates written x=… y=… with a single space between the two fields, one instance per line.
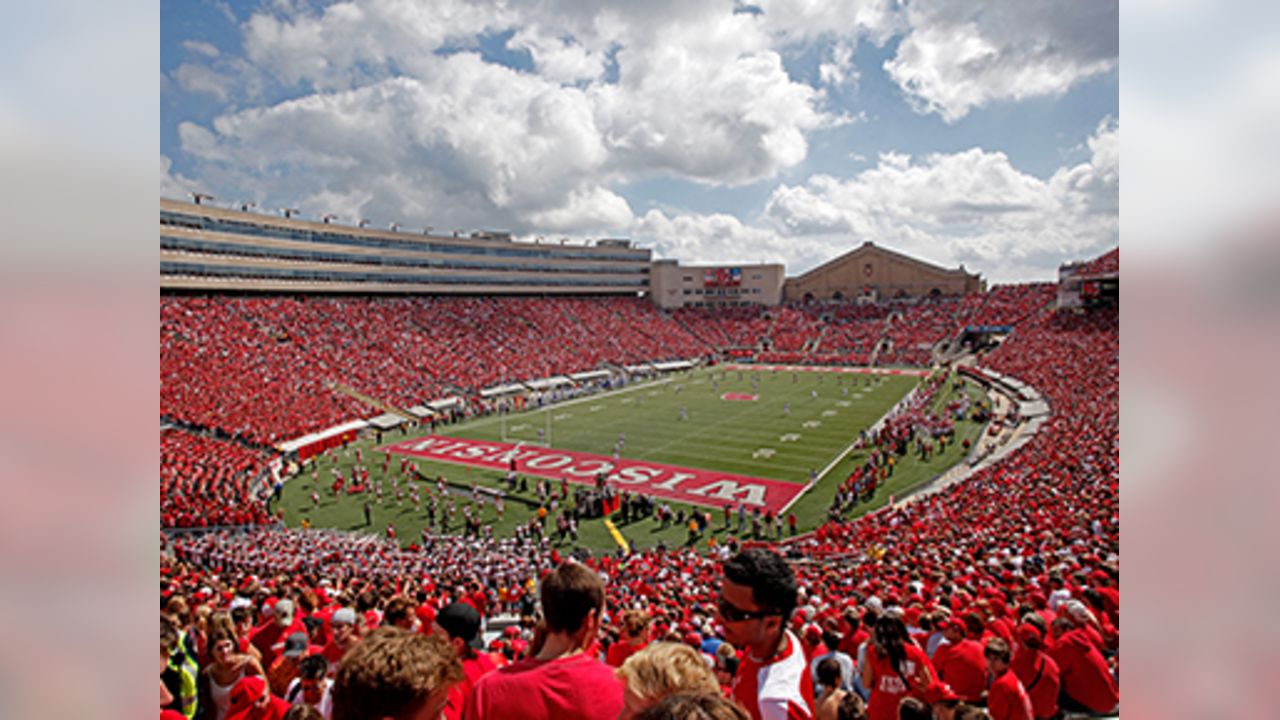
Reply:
x=590 y=375
x=500 y=390
x=547 y=383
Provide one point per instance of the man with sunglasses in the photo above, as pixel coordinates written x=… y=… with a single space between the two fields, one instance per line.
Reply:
x=757 y=597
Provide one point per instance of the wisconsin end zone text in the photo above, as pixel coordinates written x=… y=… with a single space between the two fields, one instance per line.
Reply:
x=688 y=485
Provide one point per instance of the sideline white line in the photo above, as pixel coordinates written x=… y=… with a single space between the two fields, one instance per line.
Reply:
x=840 y=455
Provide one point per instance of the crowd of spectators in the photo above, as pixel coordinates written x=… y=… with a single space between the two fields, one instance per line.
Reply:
x=999 y=592
x=1007 y=304
x=261 y=369
x=206 y=482
x=1102 y=265
x=727 y=327
x=914 y=329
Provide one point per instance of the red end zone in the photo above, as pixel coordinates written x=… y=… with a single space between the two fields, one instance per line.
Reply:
x=688 y=485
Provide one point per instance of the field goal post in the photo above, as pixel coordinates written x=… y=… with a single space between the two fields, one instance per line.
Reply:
x=544 y=440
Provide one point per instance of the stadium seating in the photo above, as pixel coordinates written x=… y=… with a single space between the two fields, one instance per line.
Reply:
x=260 y=368
x=205 y=482
x=1016 y=537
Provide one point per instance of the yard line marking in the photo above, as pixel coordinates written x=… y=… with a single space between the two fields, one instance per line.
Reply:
x=763 y=453
x=828 y=413
x=812 y=424
x=789 y=437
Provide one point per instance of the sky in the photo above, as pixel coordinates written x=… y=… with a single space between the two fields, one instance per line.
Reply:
x=982 y=133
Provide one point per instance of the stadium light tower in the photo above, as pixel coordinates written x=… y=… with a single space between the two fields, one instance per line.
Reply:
x=199 y=197
x=329 y=217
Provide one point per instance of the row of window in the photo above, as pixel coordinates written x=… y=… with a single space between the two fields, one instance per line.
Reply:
x=168 y=267
x=197 y=222
x=168 y=242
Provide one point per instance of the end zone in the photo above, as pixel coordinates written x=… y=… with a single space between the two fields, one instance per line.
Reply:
x=694 y=486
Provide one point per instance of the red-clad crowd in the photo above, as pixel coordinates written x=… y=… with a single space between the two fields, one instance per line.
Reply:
x=1002 y=590
x=1007 y=304
x=995 y=597
x=914 y=329
x=1103 y=264
x=262 y=368
x=206 y=482
x=729 y=327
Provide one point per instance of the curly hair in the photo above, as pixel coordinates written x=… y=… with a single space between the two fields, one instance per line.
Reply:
x=772 y=582
x=665 y=668
x=390 y=673
x=695 y=706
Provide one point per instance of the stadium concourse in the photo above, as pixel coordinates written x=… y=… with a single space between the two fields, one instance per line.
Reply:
x=1016 y=566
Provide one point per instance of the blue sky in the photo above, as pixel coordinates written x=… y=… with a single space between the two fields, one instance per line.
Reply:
x=983 y=133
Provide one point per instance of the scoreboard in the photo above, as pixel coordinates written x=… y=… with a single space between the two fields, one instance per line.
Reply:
x=722 y=277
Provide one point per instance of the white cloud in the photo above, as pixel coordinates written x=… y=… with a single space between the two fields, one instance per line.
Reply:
x=478 y=143
x=802 y=20
x=964 y=54
x=173 y=185
x=838 y=69
x=716 y=237
x=699 y=95
x=971 y=207
x=558 y=59
x=200 y=79
x=394 y=114
x=206 y=49
x=585 y=209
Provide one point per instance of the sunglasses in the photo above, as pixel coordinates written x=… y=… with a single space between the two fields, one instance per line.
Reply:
x=733 y=613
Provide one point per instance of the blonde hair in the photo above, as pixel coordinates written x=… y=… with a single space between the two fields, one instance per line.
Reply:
x=664 y=669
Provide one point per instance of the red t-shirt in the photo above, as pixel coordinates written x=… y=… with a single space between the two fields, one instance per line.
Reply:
x=887 y=687
x=621 y=650
x=849 y=645
x=269 y=638
x=1039 y=675
x=578 y=686
x=777 y=688
x=1007 y=699
x=1084 y=672
x=963 y=667
x=472 y=670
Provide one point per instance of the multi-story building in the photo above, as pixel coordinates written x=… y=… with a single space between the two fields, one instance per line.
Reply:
x=207 y=248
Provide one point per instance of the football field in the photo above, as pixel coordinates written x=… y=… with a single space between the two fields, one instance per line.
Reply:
x=774 y=427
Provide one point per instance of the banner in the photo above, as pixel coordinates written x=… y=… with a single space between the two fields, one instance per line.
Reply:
x=707 y=488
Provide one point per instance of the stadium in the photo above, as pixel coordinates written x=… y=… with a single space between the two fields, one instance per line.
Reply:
x=470 y=434
x=408 y=472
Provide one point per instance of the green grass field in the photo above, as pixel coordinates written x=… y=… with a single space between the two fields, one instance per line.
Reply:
x=756 y=438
